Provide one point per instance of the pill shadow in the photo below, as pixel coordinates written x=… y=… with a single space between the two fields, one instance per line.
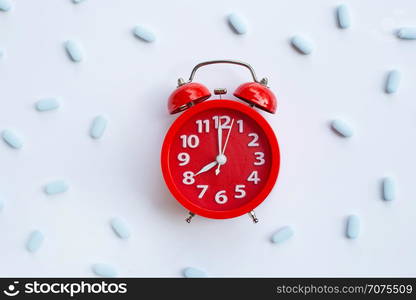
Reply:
x=299 y=51
x=381 y=189
x=294 y=47
x=385 y=85
x=329 y=124
x=232 y=27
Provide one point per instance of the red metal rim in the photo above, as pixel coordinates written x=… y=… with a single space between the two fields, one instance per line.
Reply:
x=275 y=161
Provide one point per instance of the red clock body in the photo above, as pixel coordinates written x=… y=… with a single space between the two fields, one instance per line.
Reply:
x=220 y=159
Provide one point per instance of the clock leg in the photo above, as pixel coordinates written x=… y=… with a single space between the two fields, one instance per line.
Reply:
x=253 y=216
x=189 y=219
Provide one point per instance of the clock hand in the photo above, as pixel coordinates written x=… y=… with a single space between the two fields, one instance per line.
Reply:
x=222 y=159
x=207 y=167
x=219 y=137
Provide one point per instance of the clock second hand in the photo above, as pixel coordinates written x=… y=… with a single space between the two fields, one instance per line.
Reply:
x=221 y=159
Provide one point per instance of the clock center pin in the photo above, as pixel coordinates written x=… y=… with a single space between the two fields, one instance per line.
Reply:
x=221 y=159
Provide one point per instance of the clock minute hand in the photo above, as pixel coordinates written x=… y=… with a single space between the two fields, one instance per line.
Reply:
x=219 y=137
x=207 y=167
x=221 y=159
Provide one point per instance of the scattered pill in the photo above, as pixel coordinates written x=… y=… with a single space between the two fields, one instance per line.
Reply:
x=392 y=82
x=282 y=235
x=407 y=33
x=104 y=270
x=389 y=189
x=302 y=45
x=120 y=228
x=12 y=139
x=5 y=5
x=98 y=127
x=34 y=241
x=193 y=273
x=144 y=34
x=47 y=104
x=343 y=16
x=342 y=128
x=237 y=23
x=56 y=187
x=74 y=51
x=353 y=227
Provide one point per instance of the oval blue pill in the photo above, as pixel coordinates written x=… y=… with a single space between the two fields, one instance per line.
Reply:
x=104 y=270
x=98 y=127
x=342 y=128
x=120 y=228
x=353 y=227
x=392 y=82
x=282 y=235
x=193 y=273
x=144 y=34
x=56 y=187
x=237 y=23
x=302 y=45
x=74 y=51
x=12 y=139
x=47 y=104
x=5 y=5
x=343 y=16
x=34 y=241
x=389 y=189
x=408 y=33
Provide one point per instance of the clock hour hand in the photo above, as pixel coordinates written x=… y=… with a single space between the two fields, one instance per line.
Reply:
x=207 y=168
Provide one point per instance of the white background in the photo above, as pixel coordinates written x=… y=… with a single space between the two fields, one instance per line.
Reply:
x=323 y=178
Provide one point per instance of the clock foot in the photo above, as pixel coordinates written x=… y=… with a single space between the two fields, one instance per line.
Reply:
x=253 y=216
x=189 y=219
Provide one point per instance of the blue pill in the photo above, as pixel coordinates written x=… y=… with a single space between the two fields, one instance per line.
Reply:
x=34 y=241
x=56 y=187
x=407 y=33
x=282 y=235
x=98 y=127
x=392 y=82
x=193 y=273
x=353 y=227
x=389 y=189
x=120 y=228
x=74 y=51
x=5 y=5
x=104 y=270
x=144 y=34
x=342 y=128
x=47 y=104
x=237 y=23
x=12 y=139
x=302 y=45
x=343 y=16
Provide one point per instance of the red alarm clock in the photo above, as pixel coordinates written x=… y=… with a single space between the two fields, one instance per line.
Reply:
x=220 y=159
